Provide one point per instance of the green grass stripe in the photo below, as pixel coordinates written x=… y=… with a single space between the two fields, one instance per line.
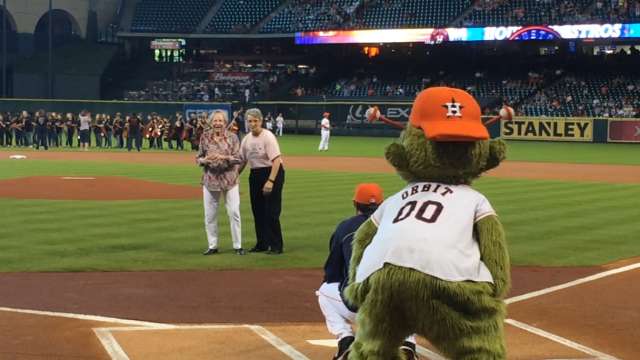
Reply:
x=547 y=223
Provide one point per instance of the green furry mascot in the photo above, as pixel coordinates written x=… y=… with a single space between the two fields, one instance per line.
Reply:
x=433 y=260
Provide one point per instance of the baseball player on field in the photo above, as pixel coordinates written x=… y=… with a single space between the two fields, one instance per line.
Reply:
x=325 y=132
x=339 y=314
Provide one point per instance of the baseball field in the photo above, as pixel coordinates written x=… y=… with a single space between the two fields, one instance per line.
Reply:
x=100 y=253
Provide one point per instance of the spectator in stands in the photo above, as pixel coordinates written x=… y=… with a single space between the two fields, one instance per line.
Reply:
x=261 y=151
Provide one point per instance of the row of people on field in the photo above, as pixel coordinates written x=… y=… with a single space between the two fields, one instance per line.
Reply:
x=51 y=129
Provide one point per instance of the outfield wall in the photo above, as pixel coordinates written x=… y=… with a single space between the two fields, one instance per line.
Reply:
x=348 y=118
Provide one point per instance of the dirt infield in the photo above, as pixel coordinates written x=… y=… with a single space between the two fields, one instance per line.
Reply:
x=283 y=301
x=595 y=318
x=93 y=188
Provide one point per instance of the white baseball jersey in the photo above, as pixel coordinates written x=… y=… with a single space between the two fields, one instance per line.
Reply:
x=429 y=227
x=324 y=125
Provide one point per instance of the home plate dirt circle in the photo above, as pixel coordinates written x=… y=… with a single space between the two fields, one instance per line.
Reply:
x=104 y=188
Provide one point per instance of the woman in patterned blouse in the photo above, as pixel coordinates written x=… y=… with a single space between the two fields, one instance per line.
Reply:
x=219 y=155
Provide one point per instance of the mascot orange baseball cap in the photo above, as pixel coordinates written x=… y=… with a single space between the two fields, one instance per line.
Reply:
x=368 y=194
x=448 y=114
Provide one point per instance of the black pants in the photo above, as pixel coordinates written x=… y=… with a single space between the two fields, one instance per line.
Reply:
x=70 y=137
x=266 y=209
x=42 y=139
x=134 y=137
x=8 y=137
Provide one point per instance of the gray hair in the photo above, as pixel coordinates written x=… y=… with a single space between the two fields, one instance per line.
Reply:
x=224 y=115
x=255 y=112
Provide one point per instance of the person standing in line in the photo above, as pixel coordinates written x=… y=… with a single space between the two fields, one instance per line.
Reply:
x=27 y=128
x=85 y=129
x=59 y=128
x=8 y=136
x=17 y=125
x=42 y=126
x=261 y=151
x=178 y=131
x=339 y=314
x=118 y=130
x=108 y=131
x=279 y=124
x=219 y=154
x=70 y=126
x=325 y=132
x=2 y=130
x=133 y=132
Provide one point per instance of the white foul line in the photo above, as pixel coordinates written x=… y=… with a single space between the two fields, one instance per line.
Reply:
x=88 y=317
x=561 y=340
x=277 y=342
x=548 y=290
x=110 y=344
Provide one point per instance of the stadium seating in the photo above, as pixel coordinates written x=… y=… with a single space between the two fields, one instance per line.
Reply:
x=169 y=16
x=410 y=14
x=597 y=95
x=307 y=15
x=527 y=12
x=240 y=15
x=606 y=11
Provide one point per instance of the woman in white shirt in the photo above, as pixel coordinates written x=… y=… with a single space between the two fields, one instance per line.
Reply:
x=261 y=151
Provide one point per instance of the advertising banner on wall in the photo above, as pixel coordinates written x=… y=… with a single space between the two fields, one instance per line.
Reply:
x=624 y=131
x=548 y=129
x=207 y=108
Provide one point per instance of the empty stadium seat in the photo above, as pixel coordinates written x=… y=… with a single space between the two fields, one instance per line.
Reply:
x=240 y=15
x=169 y=16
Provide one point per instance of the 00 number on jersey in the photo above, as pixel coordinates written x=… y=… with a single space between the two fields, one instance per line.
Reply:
x=430 y=207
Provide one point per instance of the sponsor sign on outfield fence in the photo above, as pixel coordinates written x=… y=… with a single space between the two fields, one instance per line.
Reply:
x=549 y=129
x=624 y=131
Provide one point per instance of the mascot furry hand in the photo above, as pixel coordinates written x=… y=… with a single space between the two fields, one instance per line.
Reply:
x=433 y=260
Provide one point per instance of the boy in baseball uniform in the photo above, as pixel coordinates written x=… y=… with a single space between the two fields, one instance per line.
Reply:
x=339 y=314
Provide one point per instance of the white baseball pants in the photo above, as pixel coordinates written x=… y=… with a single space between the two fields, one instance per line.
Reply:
x=324 y=140
x=232 y=203
x=336 y=314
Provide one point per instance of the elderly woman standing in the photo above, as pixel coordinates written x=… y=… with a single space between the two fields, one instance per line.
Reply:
x=261 y=151
x=219 y=154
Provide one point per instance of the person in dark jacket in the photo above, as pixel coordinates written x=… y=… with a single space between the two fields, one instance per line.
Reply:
x=338 y=313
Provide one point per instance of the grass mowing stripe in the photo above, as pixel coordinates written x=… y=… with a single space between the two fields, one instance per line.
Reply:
x=547 y=222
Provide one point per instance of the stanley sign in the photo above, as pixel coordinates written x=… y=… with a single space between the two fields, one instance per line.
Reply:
x=554 y=129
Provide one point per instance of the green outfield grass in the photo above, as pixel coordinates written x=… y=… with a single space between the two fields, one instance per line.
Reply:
x=547 y=222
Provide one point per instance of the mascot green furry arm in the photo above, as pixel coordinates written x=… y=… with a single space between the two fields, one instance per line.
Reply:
x=461 y=315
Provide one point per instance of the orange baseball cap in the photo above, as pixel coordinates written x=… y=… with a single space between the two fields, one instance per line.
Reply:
x=448 y=114
x=368 y=194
